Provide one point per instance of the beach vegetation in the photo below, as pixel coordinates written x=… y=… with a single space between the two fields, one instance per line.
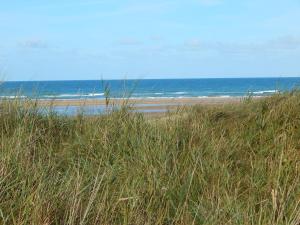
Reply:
x=224 y=164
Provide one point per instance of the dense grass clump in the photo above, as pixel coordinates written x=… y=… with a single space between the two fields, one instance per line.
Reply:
x=232 y=164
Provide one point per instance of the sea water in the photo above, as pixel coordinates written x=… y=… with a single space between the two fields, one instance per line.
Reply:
x=150 y=88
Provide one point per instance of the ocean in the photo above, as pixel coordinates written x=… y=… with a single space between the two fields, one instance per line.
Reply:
x=150 y=88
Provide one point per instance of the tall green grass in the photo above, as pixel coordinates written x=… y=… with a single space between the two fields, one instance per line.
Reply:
x=232 y=164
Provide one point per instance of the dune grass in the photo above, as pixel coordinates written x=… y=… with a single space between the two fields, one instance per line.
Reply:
x=232 y=164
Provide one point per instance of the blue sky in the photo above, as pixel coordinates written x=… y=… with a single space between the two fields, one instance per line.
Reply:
x=111 y=39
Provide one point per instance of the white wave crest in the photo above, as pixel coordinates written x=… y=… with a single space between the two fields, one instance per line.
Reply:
x=224 y=96
x=73 y=95
x=265 y=92
x=180 y=93
x=13 y=96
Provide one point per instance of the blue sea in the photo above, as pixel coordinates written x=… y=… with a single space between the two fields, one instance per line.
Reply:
x=154 y=88
x=142 y=89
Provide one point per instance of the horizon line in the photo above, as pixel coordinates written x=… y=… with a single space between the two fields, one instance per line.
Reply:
x=171 y=78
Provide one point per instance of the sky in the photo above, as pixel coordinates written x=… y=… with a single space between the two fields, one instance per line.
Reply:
x=138 y=39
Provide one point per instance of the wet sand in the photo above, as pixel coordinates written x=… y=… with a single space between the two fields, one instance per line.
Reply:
x=155 y=102
x=155 y=106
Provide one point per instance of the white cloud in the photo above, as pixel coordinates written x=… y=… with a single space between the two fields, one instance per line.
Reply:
x=280 y=44
x=34 y=44
x=129 y=41
x=193 y=43
x=156 y=38
x=284 y=44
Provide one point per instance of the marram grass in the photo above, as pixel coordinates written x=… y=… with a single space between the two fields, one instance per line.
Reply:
x=233 y=164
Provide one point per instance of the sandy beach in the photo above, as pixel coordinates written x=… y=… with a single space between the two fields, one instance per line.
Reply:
x=152 y=106
x=154 y=101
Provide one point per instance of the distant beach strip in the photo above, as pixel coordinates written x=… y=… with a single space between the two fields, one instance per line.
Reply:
x=159 y=95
